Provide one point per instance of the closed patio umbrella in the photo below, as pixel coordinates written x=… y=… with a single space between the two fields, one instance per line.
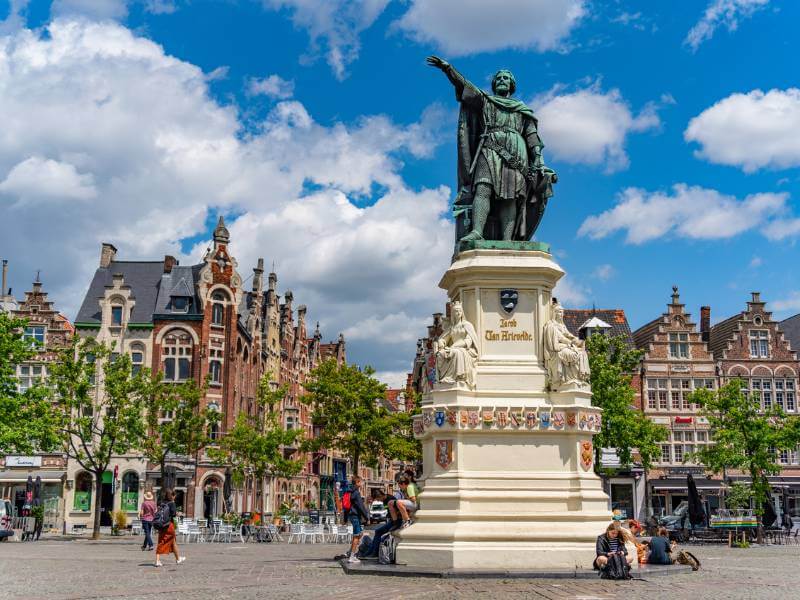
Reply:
x=696 y=513
x=769 y=514
x=227 y=490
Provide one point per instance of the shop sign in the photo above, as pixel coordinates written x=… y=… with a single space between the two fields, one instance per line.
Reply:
x=23 y=461
x=680 y=368
x=683 y=421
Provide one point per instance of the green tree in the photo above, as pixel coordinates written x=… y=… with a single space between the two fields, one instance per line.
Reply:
x=347 y=410
x=623 y=426
x=26 y=418
x=738 y=495
x=176 y=423
x=98 y=406
x=255 y=444
x=743 y=436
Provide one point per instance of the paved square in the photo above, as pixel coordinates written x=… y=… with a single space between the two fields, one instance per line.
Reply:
x=118 y=569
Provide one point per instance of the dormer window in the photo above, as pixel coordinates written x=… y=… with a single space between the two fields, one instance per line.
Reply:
x=35 y=335
x=116 y=316
x=180 y=304
x=679 y=345
x=593 y=326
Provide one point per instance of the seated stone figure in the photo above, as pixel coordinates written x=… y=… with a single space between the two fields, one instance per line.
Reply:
x=457 y=350
x=564 y=354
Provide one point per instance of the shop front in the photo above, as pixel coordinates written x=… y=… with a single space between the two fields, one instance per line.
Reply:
x=50 y=471
x=671 y=489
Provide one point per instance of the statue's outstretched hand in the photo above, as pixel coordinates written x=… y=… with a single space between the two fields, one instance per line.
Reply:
x=435 y=61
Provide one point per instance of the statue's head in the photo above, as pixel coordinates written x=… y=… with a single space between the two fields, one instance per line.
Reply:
x=557 y=311
x=503 y=83
x=457 y=310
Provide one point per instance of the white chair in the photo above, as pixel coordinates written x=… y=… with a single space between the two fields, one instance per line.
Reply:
x=344 y=533
x=183 y=529
x=274 y=534
x=310 y=533
x=295 y=531
x=136 y=527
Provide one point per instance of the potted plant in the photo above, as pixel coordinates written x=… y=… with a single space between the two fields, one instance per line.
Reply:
x=120 y=522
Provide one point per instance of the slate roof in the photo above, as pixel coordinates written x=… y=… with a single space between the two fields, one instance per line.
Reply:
x=143 y=277
x=723 y=332
x=575 y=318
x=179 y=282
x=791 y=331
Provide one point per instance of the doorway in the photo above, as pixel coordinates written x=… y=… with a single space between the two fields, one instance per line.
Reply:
x=107 y=500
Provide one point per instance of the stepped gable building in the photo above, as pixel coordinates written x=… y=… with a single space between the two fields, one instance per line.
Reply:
x=752 y=347
x=198 y=322
x=50 y=331
x=677 y=361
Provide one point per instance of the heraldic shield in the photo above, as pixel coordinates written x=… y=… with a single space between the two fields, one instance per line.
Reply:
x=444 y=453
x=508 y=300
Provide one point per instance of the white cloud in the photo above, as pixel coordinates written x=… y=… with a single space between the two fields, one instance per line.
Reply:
x=790 y=302
x=96 y=9
x=718 y=13
x=461 y=27
x=393 y=379
x=756 y=262
x=689 y=211
x=750 y=131
x=273 y=86
x=72 y=107
x=161 y=7
x=590 y=126
x=604 y=272
x=570 y=293
x=335 y=23
x=37 y=178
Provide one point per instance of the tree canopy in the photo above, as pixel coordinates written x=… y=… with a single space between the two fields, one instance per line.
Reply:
x=624 y=427
x=743 y=436
x=347 y=409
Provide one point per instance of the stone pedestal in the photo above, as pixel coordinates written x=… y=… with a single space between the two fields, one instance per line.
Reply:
x=508 y=474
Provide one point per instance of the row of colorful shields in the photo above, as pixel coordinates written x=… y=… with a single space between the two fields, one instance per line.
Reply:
x=445 y=452
x=502 y=418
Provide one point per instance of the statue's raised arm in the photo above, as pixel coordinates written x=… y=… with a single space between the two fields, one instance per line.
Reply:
x=457 y=79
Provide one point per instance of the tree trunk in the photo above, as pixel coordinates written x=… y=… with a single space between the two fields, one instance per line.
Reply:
x=98 y=494
x=356 y=458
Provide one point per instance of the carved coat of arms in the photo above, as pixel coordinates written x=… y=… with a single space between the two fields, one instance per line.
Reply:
x=582 y=421
x=508 y=300
x=452 y=417
x=439 y=419
x=572 y=419
x=427 y=419
x=558 y=420
x=488 y=417
x=474 y=418
x=586 y=455
x=530 y=420
x=419 y=428
x=517 y=419
x=444 y=453
x=502 y=418
x=464 y=418
x=544 y=420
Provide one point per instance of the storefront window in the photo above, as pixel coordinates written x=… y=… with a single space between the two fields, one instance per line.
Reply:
x=130 y=492
x=83 y=492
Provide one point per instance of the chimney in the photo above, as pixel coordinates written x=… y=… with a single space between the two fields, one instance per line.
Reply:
x=108 y=253
x=705 y=322
x=4 y=290
x=258 y=276
x=273 y=281
x=169 y=262
x=756 y=297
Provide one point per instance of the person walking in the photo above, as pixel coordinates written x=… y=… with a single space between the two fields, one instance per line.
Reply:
x=355 y=512
x=146 y=513
x=165 y=519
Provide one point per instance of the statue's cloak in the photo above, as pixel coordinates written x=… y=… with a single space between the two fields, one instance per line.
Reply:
x=470 y=128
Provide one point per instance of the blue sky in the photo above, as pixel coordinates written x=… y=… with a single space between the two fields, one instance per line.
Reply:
x=316 y=127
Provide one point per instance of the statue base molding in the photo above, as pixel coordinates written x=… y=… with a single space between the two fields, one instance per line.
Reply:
x=508 y=475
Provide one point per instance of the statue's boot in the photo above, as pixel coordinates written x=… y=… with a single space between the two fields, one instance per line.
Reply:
x=472 y=236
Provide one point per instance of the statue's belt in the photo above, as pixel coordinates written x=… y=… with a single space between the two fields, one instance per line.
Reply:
x=513 y=162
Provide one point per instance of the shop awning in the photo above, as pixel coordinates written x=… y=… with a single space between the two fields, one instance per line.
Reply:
x=680 y=484
x=13 y=476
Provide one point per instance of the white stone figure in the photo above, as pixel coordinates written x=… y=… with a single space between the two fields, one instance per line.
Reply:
x=565 y=357
x=457 y=350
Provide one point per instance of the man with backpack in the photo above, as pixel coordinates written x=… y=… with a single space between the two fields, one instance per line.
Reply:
x=354 y=511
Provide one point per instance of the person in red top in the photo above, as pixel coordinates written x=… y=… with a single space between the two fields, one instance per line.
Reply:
x=146 y=514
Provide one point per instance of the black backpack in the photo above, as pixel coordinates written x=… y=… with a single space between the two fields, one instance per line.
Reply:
x=616 y=568
x=161 y=519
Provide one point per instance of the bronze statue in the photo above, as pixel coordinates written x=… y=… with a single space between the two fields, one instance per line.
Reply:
x=503 y=185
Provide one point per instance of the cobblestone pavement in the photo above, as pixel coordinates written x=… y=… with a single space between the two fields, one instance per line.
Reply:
x=118 y=569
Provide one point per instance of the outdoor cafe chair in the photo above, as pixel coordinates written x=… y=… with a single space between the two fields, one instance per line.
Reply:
x=136 y=527
x=274 y=534
x=295 y=531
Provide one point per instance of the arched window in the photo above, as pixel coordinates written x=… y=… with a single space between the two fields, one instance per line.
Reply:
x=177 y=353
x=137 y=358
x=215 y=370
x=82 y=498
x=130 y=492
x=218 y=308
x=213 y=432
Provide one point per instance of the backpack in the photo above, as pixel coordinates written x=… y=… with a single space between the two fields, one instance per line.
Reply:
x=346 y=504
x=687 y=558
x=161 y=518
x=616 y=568
x=387 y=550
